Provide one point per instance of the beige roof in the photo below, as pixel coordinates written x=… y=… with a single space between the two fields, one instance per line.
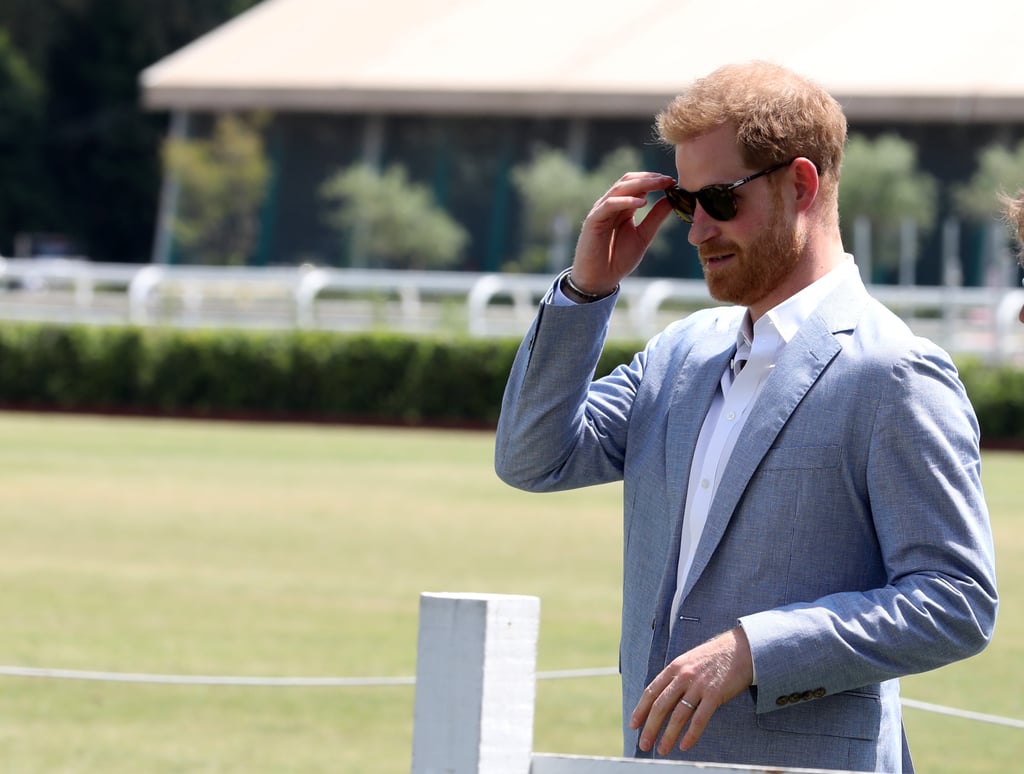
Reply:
x=929 y=59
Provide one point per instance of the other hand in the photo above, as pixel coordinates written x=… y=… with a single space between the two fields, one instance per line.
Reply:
x=705 y=677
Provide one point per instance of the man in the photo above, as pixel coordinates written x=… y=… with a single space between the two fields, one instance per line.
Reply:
x=801 y=530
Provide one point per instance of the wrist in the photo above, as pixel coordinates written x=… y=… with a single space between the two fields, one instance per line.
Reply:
x=575 y=293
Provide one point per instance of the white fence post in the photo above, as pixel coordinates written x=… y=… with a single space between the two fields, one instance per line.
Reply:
x=475 y=684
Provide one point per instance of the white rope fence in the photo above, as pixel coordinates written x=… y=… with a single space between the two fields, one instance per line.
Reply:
x=265 y=682
x=965 y=714
x=373 y=682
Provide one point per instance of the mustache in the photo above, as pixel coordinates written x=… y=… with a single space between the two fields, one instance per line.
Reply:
x=711 y=249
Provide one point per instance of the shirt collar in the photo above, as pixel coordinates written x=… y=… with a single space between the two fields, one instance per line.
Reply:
x=779 y=325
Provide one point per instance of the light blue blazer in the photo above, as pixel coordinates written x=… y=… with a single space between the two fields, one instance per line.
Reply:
x=849 y=534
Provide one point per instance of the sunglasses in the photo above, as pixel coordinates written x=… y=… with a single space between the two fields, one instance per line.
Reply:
x=718 y=200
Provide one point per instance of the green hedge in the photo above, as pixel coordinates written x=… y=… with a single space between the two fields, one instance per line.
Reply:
x=998 y=397
x=293 y=374
x=374 y=377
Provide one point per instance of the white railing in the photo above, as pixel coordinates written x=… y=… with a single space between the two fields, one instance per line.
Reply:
x=981 y=321
x=475 y=691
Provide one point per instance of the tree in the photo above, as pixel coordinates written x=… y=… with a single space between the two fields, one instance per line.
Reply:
x=556 y=195
x=1000 y=171
x=389 y=221
x=100 y=174
x=222 y=185
x=23 y=201
x=881 y=182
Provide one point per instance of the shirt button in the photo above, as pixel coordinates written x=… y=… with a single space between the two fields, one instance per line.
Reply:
x=731 y=416
x=704 y=483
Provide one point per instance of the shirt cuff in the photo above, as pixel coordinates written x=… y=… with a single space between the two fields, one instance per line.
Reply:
x=557 y=298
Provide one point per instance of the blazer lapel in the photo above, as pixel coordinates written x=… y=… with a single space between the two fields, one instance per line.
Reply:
x=691 y=394
x=693 y=390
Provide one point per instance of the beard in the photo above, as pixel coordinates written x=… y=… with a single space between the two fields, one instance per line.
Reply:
x=759 y=268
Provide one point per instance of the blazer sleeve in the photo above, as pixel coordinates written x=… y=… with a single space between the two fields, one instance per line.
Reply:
x=556 y=429
x=923 y=480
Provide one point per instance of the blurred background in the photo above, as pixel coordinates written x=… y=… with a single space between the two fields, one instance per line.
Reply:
x=229 y=209
x=469 y=137
x=488 y=128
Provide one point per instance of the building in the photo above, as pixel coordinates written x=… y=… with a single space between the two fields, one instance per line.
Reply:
x=460 y=91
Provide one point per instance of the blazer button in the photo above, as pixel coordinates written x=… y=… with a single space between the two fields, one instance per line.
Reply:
x=806 y=696
x=782 y=701
x=794 y=697
x=819 y=693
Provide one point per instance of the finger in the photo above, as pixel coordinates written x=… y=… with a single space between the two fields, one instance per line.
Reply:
x=664 y=705
x=643 y=181
x=616 y=209
x=683 y=712
x=698 y=722
x=651 y=729
x=638 y=185
x=627 y=195
x=652 y=221
x=647 y=699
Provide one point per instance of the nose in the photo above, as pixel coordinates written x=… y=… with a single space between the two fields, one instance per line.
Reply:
x=703 y=228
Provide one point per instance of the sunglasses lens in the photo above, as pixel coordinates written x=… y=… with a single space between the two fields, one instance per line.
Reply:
x=718 y=201
x=683 y=203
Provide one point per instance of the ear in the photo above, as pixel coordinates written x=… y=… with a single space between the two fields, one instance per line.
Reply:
x=805 y=180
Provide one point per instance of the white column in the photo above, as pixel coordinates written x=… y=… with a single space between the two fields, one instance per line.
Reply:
x=170 y=189
x=475 y=684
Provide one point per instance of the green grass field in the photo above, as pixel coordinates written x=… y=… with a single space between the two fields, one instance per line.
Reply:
x=204 y=548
